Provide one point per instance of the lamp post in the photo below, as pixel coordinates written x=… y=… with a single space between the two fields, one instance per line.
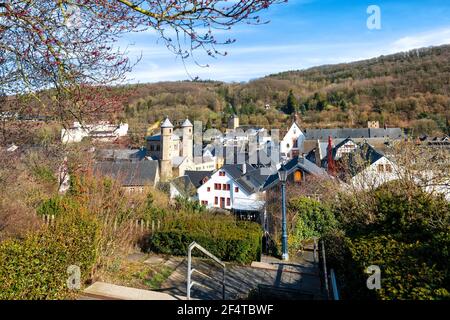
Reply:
x=282 y=174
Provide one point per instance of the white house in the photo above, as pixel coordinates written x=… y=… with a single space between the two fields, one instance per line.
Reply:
x=292 y=143
x=103 y=131
x=371 y=169
x=233 y=188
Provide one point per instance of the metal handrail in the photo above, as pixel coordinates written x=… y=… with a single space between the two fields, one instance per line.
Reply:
x=334 y=285
x=195 y=245
x=315 y=251
x=325 y=269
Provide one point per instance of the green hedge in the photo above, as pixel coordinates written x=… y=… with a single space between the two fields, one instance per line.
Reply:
x=222 y=236
x=405 y=272
x=415 y=270
x=36 y=267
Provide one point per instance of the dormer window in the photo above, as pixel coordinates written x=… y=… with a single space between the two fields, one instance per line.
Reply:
x=298 y=176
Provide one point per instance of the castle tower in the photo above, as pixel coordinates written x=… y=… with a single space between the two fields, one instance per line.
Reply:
x=166 y=141
x=188 y=142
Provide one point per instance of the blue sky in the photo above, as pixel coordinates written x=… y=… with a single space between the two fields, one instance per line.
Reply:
x=301 y=34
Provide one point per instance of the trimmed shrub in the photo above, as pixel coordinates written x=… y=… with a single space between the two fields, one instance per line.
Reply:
x=36 y=267
x=407 y=269
x=221 y=235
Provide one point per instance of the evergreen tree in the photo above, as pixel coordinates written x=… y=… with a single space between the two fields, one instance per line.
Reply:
x=291 y=103
x=303 y=109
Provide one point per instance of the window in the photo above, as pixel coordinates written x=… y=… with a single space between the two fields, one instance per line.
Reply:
x=298 y=176
x=388 y=168
x=222 y=173
x=204 y=202
x=228 y=202
x=228 y=187
x=224 y=187
x=217 y=186
x=208 y=189
x=216 y=200
x=380 y=168
x=236 y=189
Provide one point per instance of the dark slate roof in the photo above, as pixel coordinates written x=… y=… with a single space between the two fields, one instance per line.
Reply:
x=156 y=137
x=121 y=154
x=140 y=173
x=335 y=149
x=234 y=170
x=366 y=153
x=238 y=155
x=196 y=177
x=184 y=186
x=322 y=134
x=252 y=181
x=291 y=166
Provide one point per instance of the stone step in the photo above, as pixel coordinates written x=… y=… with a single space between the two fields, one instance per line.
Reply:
x=107 y=291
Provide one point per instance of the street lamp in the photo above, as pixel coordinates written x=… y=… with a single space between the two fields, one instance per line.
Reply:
x=282 y=175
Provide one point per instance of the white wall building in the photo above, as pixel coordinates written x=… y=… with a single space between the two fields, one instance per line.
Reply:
x=377 y=173
x=292 y=143
x=224 y=190
x=103 y=131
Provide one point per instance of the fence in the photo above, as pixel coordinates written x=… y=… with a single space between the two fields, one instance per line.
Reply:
x=143 y=226
x=136 y=225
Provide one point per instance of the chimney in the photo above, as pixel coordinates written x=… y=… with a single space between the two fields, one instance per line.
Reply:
x=244 y=168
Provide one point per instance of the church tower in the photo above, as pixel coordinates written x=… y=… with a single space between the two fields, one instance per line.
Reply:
x=166 y=141
x=188 y=142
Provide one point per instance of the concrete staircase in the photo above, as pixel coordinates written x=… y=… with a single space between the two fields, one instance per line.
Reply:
x=269 y=278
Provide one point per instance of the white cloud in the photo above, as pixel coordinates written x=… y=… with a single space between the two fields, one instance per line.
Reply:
x=249 y=62
x=430 y=38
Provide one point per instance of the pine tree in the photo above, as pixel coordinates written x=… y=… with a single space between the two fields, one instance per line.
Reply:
x=291 y=103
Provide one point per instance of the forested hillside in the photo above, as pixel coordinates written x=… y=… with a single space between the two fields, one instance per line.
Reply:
x=409 y=90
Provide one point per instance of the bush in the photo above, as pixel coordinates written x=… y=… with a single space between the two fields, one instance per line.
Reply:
x=404 y=231
x=313 y=219
x=56 y=206
x=36 y=267
x=221 y=235
x=405 y=274
x=413 y=215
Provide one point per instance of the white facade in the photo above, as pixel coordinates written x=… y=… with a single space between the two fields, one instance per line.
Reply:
x=204 y=164
x=346 y=148
x=102 y=131
x=381 y=171
x=221 y=191
x=292 y=141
